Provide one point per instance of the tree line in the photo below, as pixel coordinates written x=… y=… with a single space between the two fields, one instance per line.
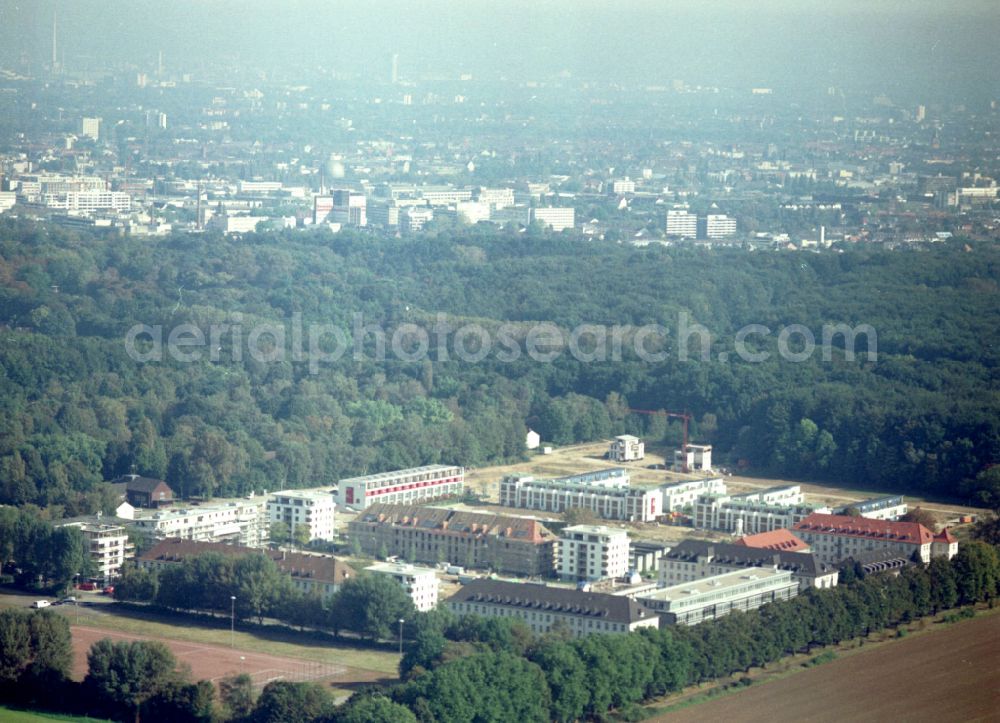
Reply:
x=34 y=554
x=367 y=605
x=76 y=409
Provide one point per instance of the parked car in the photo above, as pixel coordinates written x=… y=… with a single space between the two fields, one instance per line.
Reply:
x=88 y=586
x=109 y=590
x=69 y=599
x=39 y=604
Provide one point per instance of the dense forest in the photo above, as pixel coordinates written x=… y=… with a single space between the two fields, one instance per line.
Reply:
x=76 y=408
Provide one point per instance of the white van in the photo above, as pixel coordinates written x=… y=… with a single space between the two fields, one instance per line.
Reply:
x=38 y=604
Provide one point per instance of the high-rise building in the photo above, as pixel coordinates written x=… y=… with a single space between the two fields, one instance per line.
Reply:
x=315 y=510
x=349 y=208
x=921 y=114
x=322 y=206
x=394 y=77
x=681 y=223
x=91 y=128
x=718 y=225
x=593 y=552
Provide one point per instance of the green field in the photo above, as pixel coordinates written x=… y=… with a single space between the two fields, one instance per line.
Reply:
x=269 y=639
x=10 y=715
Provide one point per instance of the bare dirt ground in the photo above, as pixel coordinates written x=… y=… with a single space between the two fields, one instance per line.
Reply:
x=214 y=662
x=587 y=457
x=949 y=674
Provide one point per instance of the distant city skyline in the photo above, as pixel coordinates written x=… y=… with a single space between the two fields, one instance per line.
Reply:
x=949 y=52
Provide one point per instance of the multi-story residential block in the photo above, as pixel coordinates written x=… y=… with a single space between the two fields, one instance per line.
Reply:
x=545 y=608
x=681 y=495
x=349 y=208
x=320 y=575
x=420 y=583
x=107 y=544
x=834 y=538
x=513 y=545
x=89 y=201
x=556 y=218
x=404 y=486
x=696 y=559
x=593 y=552
x=607 y=493
x=623 y=185
x=313 y=509
x=626 y=448
x=90 y=128
x=717 y=225
x=644 y=555
x=496 y=197
x=753 y=512
x=238 y=522
x=681 y=223
x=709 y=598
x=697 y=458
x=878 y=508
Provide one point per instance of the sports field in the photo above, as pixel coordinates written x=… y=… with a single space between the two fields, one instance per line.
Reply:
x=949 y=674
x=214 y=662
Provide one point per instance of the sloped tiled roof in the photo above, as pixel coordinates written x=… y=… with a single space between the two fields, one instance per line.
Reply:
x=321 y=568
x=780 y=539
x=565 y=601
x=456 y=521
x=799 y=563
x=910 y=532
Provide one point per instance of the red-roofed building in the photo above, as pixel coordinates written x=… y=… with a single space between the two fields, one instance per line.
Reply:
x=944 y=544
x=837 y=537
x=782 y=540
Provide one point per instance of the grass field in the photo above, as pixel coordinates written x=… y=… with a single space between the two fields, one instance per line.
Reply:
x=10 y=715
x=949 y=673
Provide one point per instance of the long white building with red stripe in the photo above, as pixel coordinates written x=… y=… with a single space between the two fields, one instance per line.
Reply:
x=402 y=487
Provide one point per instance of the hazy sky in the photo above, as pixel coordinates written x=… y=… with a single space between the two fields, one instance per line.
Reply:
x=907 y=44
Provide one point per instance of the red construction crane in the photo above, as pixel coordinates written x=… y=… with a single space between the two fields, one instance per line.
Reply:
x=684 y=416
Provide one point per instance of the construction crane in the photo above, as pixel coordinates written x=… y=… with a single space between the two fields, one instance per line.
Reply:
x=684 y=417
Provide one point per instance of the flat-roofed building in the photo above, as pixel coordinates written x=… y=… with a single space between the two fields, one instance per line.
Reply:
x=555 y=218
x=681 y=495
x=607 y=493
x=545 y=608
x=753 y=512
x=315 y=510
x=403 y=487
x=710 y=598
x=107 y=544
x=238 y=522
x=506 y=544
x=682 y=223
x=626 y=448
x=420 y=583
x=593 y=552
x=878 y=508
x=695 y=559
x=644 y=555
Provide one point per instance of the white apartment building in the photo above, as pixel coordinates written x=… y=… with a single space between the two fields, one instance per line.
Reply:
x=444 y=195
x=557 y=218
x=402 y=487
x=414 y=219
x=754 y=512
x=420 y=583
x=107 y=545
x=315 y=510
x=89 y=201
x=90 y=128
x=496 y=197
x=626 y=448
x=719 y=225
x=240 y=522
x=698 y=458
x=681 y=223
x=879 y=508
x=680 y=495
x=593 y=552
x=623 y=185
x=690 y=603
x=543 y=608
x=607 y=493
x=259 y=186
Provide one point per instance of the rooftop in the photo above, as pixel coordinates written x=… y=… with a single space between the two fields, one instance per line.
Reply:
x=380 y=476
x=780 y=539
x=559 y=600
x=734 y=579
x=799 y=563
x=910 y=532
x=459 y=522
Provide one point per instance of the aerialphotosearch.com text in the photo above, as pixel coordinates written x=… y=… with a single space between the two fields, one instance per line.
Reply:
x=317 y=344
